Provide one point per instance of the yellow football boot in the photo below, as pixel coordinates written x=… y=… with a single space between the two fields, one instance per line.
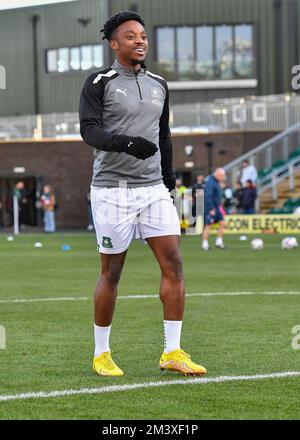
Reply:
x=105 y=366
x=178 y=360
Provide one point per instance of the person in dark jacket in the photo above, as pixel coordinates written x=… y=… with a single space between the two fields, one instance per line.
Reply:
x=249 y=197
x=22 y=195
x=238 y=197
x=213 y=209
x=197 y=195
x=228 y=201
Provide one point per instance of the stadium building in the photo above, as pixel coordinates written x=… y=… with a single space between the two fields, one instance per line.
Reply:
x=206 y=49
x=216 y=55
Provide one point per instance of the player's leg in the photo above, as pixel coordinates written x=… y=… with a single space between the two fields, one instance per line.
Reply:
x=159 y=225
x=113 y=237
x=205 y=237
x=166 y=251
x=106 y=287
x=220 y=235
x=104 y=305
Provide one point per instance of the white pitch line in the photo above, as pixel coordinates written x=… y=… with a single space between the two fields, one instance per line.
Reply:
x=30 y=300
x=135 y=386
x=213 y=294
x=85 y=298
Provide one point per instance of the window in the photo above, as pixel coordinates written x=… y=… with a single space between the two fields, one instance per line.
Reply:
x=185 y=50
x=204 y=65
x=166 y=48
x=224 y=52
x=243 y=51
x=63 y=60
x=66 y=59
x=98 y=55
x=75 y=58
x=52 y=61
x=86 y=57
x=205 y=52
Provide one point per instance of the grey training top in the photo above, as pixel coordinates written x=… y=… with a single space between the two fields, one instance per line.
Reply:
x=120 y=101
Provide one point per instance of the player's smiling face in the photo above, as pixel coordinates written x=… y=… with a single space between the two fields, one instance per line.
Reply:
x=130 y=43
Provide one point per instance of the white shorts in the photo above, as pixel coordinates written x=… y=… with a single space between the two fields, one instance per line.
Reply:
x=123 y=214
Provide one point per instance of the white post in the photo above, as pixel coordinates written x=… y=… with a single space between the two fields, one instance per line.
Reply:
x=274 y=188
x=16 y=216
x=257 y=206
x=291 y=178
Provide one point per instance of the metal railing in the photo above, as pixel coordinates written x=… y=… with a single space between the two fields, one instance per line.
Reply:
x=265 y=156
x=54 y=125
x=249 y=113
x=286 y=171
x=256 y=112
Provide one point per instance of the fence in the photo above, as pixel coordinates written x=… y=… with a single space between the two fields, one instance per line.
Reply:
x=257 y=112
x=276 y=159
x=250 y=113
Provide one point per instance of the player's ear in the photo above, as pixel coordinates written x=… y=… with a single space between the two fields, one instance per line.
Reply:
x=114 y=44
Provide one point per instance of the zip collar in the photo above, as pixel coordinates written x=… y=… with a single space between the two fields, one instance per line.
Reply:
x=128 y=71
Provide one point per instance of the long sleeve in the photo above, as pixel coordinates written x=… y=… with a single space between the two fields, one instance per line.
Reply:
x=165 y=142
x=208 y=196
x=90 y=116
x=212 y=195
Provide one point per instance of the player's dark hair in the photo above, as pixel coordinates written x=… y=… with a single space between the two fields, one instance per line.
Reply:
x=116 y=20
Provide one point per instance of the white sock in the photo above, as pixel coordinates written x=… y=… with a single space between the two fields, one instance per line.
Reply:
x=172 y=333
x=101 y=335
x=205 y=244
x=219 y=241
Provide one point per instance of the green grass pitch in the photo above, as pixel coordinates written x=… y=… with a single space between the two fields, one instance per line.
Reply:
x=49 y=344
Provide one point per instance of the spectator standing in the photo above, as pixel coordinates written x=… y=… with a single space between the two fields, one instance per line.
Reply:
x=22 y=195
x=182 y=204
x=249 y=172
x=197 y=194
x=238 y=197
x=228 y=201
x=48 y=203
x=249 y=197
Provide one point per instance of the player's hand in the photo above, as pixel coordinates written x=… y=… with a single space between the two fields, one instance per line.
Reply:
x=170 y=182
x=212 y=212
x=141 y=148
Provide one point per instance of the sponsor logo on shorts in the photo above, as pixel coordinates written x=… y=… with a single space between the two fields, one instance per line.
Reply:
x=106 y=242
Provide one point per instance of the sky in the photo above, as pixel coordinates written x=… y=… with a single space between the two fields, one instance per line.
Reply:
x=10 y=4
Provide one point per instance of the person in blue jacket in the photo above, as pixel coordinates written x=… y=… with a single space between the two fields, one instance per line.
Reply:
x=213 y=209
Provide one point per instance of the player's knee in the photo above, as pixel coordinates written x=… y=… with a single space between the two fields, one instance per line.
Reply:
x=113 y=273
x=173 y=267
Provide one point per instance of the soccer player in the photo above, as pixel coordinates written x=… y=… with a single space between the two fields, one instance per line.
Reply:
x=124 y=113
x=212 y=208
